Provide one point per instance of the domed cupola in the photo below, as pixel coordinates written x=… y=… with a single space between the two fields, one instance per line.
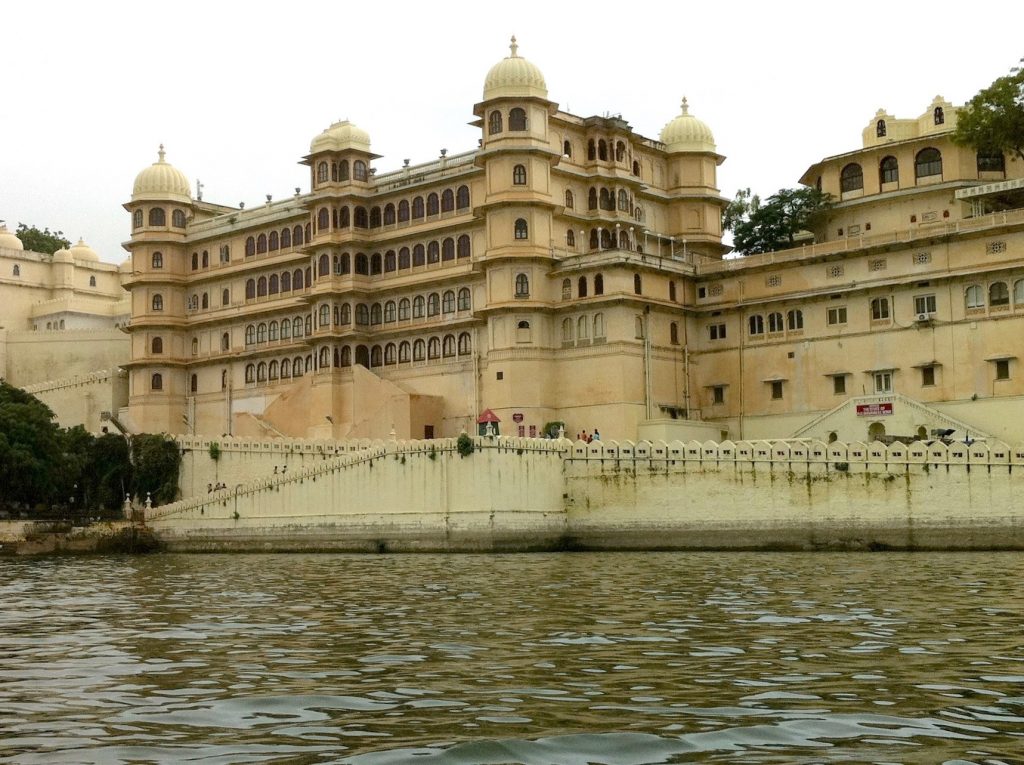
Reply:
x=8 y=240
x=82 y=251
x=687 y=133
x=340 y=136
x=514 y=77
x=161 y=182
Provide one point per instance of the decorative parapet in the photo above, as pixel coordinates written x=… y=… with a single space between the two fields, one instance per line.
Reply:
x=75 y=381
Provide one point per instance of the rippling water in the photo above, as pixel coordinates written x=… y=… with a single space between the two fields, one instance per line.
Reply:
x=564 y=659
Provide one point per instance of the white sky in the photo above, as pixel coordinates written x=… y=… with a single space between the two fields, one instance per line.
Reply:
x=237 y=90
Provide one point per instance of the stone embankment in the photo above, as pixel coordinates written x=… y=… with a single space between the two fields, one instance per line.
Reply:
x=529 y=494
x=59 y=538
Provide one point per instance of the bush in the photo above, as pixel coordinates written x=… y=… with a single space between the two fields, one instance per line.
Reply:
x=214 y=451
x=465 y=445
x=551 y=428
x=157 y=464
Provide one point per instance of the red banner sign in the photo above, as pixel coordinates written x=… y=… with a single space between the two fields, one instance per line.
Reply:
x=517 y=417
x=874 y=410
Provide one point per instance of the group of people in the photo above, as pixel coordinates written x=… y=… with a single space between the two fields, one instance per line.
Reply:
x=583 y=436
x=212 y=487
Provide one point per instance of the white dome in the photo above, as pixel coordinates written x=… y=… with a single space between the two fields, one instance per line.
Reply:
x=687 y=133
x=341 y=135
x=82 y=251
x=9 y=240
x=514 y=77
x=161 y=182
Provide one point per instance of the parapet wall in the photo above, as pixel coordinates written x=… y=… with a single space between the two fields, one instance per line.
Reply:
x=82 y=399
x=539 y=494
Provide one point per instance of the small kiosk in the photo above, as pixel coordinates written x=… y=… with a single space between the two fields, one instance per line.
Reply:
x=488 y=423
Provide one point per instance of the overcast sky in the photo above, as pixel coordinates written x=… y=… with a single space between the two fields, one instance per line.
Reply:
x=236 y=91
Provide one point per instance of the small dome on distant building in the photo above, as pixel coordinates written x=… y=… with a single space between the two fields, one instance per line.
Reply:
x=341 y=135
x=8 y=240
x=161 y=182
x=63 y=256
x=514 y=77
x=687 y=133
x=82 y=251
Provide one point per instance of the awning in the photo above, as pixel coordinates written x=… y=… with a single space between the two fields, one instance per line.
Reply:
x=487 y=416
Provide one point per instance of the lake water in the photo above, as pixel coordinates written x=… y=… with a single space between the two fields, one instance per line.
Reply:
x=564 y=658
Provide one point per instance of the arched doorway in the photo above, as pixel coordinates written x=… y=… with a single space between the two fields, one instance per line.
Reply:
x=362 y=355
x=876 y=432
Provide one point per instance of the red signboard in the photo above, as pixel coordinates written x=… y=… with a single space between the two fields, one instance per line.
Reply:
x=517 y=417
x=874 y=410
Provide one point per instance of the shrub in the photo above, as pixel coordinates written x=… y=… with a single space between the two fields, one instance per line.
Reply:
x=465 y=445
x=214 y=451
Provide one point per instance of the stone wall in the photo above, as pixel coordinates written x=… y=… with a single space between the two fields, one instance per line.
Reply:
x=82 y=399
x=534 y=494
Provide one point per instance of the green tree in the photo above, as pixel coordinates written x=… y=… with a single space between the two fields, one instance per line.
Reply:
x=41 y=241
x=773 y=224
x=994 y=119
x=156 y=461
x=31 y=451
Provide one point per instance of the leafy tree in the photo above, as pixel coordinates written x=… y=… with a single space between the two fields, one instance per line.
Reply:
x=31 y=450
x=994 y=119
x=774 y=223
x=157 y=462
x=41 y=241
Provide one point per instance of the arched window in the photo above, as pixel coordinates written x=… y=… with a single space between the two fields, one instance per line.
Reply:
x=261 y=372
x=250 y=373
x=375 y=217
x=928 y=163
x=447 y=200
x=321 y=172
x=581 y=288
x=494 y=123
x=521 y=229
x=880 y=129
x=418 y=255
x=16 y=271
x=465 y=344
x=566 y=149
x=297 y=327
x=376 y=356
x=273 y=284
x=939 y=115
x=206 y=300
x=448 y=302
x=404 y=349
x=362 y=314
x=344 y=264
x=261 y=244
x=261 y=287
x=298 y=281
x=286 y=238
x=156 y=382
x=297 y=236
x=569 y=201
x=566 y=289
x=889 y=170
x=390 y=354
x=756 y=324
x=851 y=178
x=448 y=249
x=418 y=307
x=297 y=366
x=636 y=168
x=362 y=264
x=591 y=149
x=570 y=238
x=178 y=218
x=345 y=314
x=620 y=151
x=250 y=334
x=272 y=370
x=359 y=170
x=389 y=214
x=1018 y=293
x=323 y=266
x=359 y=218
x=599 y=284
x=158 y=260
x=432 y=204
x=462 y=246
x=795 y=319
x=433 y=252
x=448 y=346
x=225 y=342
x=286 y=281
x=272 y=242
x=673 y=333
x=225 y=297
x=286 y=368
x=158 y=302
x=519 y=175
x=602 y=149
x=193 y=384
x=598 y=326
x=592 y=199
x=991 y=162
x=272 y=331
x=325 y=358
x=638 y=285
x=389 y=312
x=390 y=263
x=775 y=322
x=522 y=286
x=419 y=350
x=403 y=258
x=517 y=119
x=376 y=264
x=624 y=203
x=998 y=294
x=157 y=345
x=343 y=170
x=433 y=304
x=434 y=348
x=157 y=217
x=417 y=207
x=462 y=197
x=607 y=199
x=324 y=319
x=376 y=315
x=403 y=309
x=137 y=219
x=568 y=327
x=309 y=325
x=346 y=356
x=403 y=211
x=465 y=302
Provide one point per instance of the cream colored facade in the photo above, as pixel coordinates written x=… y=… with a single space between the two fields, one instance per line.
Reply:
x=570 y=269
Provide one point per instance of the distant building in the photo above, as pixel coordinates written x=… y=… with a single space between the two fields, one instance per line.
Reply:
x=569 y=269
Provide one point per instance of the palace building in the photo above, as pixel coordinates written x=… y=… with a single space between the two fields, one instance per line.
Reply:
x=571 y=270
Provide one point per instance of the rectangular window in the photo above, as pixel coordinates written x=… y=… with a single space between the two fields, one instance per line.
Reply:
x=924 y=304
x=837 y=315
x=879 y=309
x=883 y=382
x=716 y=331
x=839 y=385
x=1002 y=369
x=718 y=394
x=776 y=389
x=927 y=376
